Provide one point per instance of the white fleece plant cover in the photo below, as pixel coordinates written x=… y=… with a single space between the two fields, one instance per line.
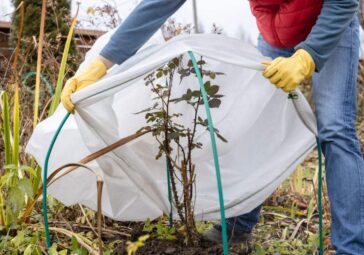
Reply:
x=266 y=137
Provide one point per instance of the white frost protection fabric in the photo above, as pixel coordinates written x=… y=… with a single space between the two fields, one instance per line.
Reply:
x=266 y=136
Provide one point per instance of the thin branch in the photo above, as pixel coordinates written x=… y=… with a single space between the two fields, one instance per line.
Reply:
x=87 y=220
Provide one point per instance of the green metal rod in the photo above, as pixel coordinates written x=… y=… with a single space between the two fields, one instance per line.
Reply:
x=45 y=176
x=214 y=151
x=168 y=164
x=168 y=170
x=319 y=150
x=49 y=87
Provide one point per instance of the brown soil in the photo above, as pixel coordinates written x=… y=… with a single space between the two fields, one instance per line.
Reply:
x=164 y=247
x=153 y=246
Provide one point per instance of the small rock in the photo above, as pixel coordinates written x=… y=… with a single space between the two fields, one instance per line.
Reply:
x=170 y=250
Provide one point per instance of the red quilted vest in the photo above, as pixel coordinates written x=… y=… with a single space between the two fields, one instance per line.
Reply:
x=285 y=23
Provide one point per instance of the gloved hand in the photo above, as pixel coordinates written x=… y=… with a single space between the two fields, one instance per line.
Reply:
x=93 y=72
x=287 y=73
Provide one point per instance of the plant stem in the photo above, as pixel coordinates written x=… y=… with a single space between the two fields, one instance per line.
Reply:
x=39 y=63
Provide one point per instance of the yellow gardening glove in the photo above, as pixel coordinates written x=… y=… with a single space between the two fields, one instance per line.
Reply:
x=92 y=73
x=287 y=73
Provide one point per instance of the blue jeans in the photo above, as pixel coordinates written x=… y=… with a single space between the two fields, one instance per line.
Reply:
x=334 y=90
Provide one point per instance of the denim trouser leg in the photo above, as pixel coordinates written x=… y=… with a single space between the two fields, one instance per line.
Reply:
x=335 y=102
x=334 y=91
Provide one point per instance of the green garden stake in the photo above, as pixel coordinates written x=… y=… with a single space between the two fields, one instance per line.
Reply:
x=168 y=170
x=45 y=177
x=168 y=163
x=49 y=87
x=214 y=151
x=320 y=211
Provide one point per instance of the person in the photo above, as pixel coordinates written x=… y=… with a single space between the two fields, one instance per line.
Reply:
x=305 y=38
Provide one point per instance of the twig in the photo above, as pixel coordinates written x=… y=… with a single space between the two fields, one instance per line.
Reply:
x=87 y=220
x=80 y=239
x=104 y=230
x=287 y=210
x=295 y=231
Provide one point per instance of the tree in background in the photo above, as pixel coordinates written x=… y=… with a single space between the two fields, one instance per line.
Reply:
x=57 y=25
x=56 y=29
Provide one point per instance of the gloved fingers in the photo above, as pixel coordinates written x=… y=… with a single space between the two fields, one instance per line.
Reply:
x=70 y=86
x=265 y=64
x=307 y=62
x=294 y=82
x=282 y=84
x=92 y=73
x=272 y=68
x=275 y=79
x=289 y=84
x=290 y=88
x=67 y=103
x=68 y=90
x=270 y=71
x=277 y=60
x=66 y=99
x=84 y=83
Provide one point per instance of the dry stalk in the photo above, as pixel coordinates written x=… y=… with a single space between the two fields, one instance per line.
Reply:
x=100 y=184
x=71 y=167
x=86 y=160
x=87 y=220
x=17 y=49
x=295 y=231
x=79 y=238
x=26 y=56
x=39 y=62
x=105 y=231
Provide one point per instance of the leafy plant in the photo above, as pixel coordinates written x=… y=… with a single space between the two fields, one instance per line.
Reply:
x=177 y=141
x=16 y=186
x=15 y=191
x=134 y=246
x=161 y=230
x=54 y=251
x=25 y=242
x=62 y=69
x=76 y=248
x=17 y=182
